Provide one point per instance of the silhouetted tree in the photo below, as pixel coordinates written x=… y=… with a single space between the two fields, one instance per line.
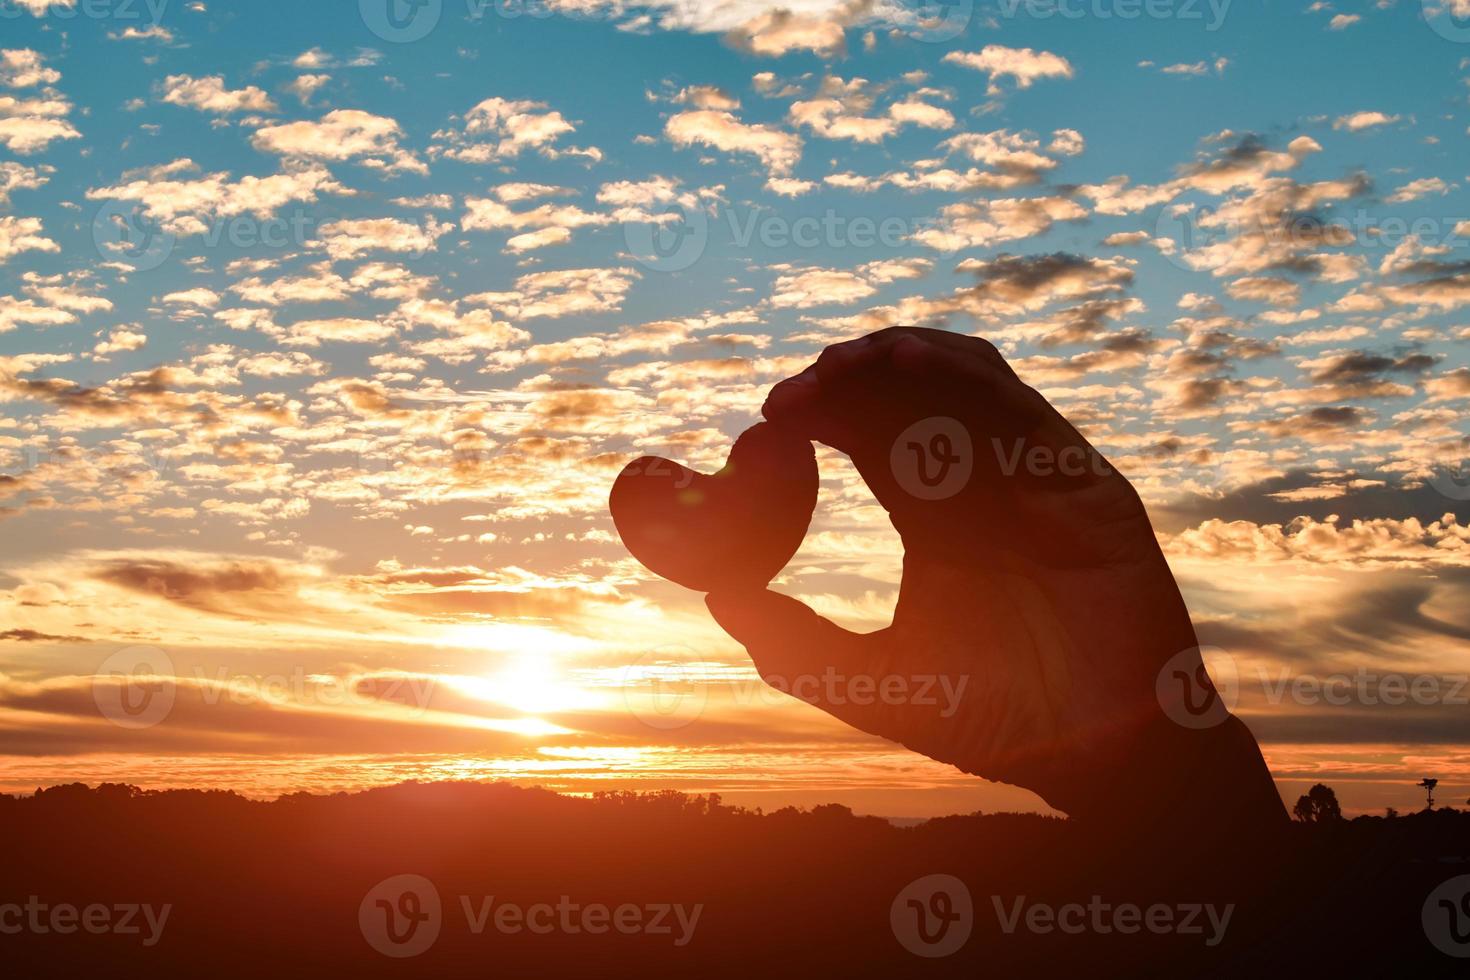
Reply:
x=1319 y=805
x=1390 y=812
x=1428 y=786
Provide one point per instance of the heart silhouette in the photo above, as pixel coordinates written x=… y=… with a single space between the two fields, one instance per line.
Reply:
x=735 y=529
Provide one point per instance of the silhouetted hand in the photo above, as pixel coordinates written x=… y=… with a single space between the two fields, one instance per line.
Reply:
x=1035 y=581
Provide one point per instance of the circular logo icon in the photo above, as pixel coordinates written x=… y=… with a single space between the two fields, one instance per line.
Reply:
x=932 y=916
x=1198 y=687
x=934 y=23
x=401 y=916
x=1446 y=917
x=671 y=245
x=377 y=461
x=123 y=230
x=401 y=21
x=1189 y=229
x=134 y=688
x=664 y=690
x=1453 y=483
x=933 y=458
x=1450 y=19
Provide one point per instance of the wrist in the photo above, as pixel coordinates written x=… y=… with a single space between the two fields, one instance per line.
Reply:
x=1208 y=782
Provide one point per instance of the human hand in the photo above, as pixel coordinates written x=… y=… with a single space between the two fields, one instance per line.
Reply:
x=1036 y=581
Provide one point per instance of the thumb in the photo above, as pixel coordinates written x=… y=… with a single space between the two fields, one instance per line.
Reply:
x=793 y=647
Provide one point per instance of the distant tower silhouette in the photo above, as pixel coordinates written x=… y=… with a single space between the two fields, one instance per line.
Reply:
x=1428 y=786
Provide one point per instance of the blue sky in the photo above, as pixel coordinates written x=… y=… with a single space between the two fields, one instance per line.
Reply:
x=1228 y=242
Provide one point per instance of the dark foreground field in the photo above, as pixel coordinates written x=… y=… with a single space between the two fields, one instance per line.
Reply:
x=504 y=881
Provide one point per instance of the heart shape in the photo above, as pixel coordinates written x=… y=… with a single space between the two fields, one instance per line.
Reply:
x=735 y=529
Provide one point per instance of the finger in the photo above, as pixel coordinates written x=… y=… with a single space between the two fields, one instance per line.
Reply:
x=794 y=649
x=1074 y=488
x=830 y=402
x=855 y=384
x=860 y=398
x=807 y=402
x=904 y=374
x=1015 y=408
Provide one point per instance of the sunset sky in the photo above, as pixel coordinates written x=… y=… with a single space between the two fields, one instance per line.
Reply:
x=323 y=335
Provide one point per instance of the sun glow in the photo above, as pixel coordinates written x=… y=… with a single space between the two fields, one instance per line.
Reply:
x=516 y=638
x=530 y=683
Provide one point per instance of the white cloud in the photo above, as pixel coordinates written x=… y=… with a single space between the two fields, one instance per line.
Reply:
x=23 y=235
x=210 y=95
x=39 y=8
x=1025 y=65
x=562 y=292
x=803 y=288
x=118 y=341
x=984 y=223
x=543 y=225
x=153 y=32
x=15 y=312
x=23 y=68
x=1422 y=187
x=30 y=125
x=777 y=150
x=311 y=333
x=349 y=239
x=306 y=86
x=775 y=32
x=198 y=296
x=186 y=206
x=1356 y=121
x=342 y=134
x=501 y=129
x=19 y=177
